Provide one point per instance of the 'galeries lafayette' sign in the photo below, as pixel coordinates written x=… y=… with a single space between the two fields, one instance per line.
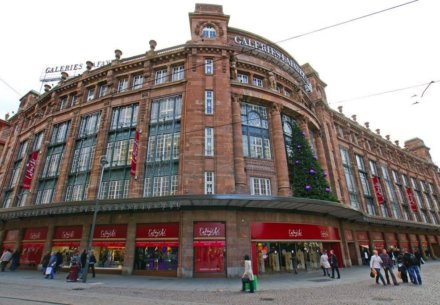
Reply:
x=284 y=58
x=157 y=231
x=287 y=231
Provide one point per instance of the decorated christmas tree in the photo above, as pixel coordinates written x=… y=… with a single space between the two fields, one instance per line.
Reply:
x=306 y=175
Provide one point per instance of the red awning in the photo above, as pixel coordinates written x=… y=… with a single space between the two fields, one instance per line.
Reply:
x=212 y=243
x=109 y=244
x=157 y=244
x=65 y=244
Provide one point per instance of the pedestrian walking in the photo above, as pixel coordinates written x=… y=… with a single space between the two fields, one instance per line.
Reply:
x=294 y=262
x=402 y=268
x=75 y=267
x=325 y=265
x=92 y=262
x=334 y=264
x=50 y=269
x=5 y=258
x=15 y=260
x=412 y=263
x=248 y=275
x=83 y=260
x=59 y=261
x=387 y=265
x=376 y=264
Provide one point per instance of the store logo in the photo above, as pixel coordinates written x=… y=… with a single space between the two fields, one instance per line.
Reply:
x=68 y=234
x=209 y=232
x=295 y=233
x=108 y=233
x=324 y=234
x=35 y=235
x=157 y=232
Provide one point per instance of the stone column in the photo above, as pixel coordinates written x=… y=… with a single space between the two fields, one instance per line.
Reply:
x=279 y=152
x=239 y=164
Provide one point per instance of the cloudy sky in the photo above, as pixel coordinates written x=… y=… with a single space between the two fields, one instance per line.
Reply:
x=359 y=60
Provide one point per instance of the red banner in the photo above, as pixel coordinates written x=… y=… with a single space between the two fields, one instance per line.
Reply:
x=68 y=233
x=35 y=234
x=134 y=154
x=412 y=200
x=157 y=231
x=30 y=168
x=378 y=190
x=292 y=231
x=209 y=230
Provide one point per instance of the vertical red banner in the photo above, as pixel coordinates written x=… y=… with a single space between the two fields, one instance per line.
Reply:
x=412 y=200
x=378 y=190
x=134 y=154
x=30 y=169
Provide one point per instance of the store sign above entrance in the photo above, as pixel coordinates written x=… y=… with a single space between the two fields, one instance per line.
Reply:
x=291 y=231
x=282 y=58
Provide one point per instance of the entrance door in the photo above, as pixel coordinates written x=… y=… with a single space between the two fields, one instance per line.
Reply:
x=352 y=253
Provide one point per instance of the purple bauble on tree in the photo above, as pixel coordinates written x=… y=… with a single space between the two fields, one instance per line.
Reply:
x=298 y=146
x=307 y=187
x=315 y=158
x=324 y=174
x=303 y=133
x=327 y=189
x=297 y=162
x=312 y=171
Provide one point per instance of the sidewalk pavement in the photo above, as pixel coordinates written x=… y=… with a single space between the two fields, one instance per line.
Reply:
x=281 y=281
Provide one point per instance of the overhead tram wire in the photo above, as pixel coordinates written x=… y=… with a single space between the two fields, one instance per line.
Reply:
x=384 y=92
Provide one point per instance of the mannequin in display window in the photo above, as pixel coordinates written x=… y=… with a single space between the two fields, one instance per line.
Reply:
x=261 y=262
x=300 y=258
x=276 y=261
x=288 y=260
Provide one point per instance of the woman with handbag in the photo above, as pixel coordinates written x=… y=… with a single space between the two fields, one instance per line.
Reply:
x=248 y=275
x=50 y=269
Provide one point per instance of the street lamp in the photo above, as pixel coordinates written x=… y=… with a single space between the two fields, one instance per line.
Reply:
x=103 y=163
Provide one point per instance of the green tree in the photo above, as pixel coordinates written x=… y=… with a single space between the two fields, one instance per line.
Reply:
x=306 y=175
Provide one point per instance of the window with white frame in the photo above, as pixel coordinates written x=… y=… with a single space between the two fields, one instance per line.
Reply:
x=255 y=131
x=209 y=141
x=102 y=90
x=178 y=73
x=365 y=184
x=257 y=81
x=138 y=81
x=209 y=183
x=123 y=85
x=208 y=32
x=349 y=178
x=260 y=186
x=243 y=78
x=209 y=66
x=73 y=100
x=123 y=117
x=63 y=102
x=209 y=102
x=160 y=76
x=38 y=141
x=90 y=94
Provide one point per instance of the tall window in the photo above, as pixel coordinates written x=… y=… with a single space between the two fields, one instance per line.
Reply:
x=63 y=102
x=123 y=85
x=257 y=81
x=90 y=94
x=103 y=90
x=209 y=183
x=260 y=186
x=83 y=156
x=208 y=32
x=73 y=100
x=313 y=142
x=160 y=77
x=401 y=195
x=288 y=124
x=209 y=141
x=363 y=177
x=391 y=193
x=349 y=178
x=138 y=81
x=161 y=168
x=124 y=117
x=209 y=66
x=209 y=102
x=255 y=128
x=178 y=73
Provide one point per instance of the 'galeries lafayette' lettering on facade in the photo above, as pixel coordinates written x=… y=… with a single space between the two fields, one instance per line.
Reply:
x=284 y=58
x=155 y=233
x=209 y=231
x=107 y=233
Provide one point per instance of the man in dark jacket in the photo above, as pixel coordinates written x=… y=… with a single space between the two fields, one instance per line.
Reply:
x=334 y=264
x=387 y=265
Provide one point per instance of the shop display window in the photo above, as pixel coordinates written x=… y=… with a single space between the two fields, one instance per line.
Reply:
x=156 y=258
x=31 y=254
x=67 y=253
x=209 y=259
x=109 y=257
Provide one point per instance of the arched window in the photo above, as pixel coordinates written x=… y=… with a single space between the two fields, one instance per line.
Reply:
x=208 y=32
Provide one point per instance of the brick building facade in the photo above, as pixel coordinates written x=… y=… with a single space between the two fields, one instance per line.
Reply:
x=208 y=122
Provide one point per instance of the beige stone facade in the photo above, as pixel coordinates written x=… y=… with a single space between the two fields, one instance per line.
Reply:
x=200 y=161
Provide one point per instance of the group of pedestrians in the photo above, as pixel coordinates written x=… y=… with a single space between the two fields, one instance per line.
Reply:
x=9 y=257
x=329 y=262
x=408 y=267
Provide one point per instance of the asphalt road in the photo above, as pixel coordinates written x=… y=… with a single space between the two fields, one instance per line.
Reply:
x=355 y=287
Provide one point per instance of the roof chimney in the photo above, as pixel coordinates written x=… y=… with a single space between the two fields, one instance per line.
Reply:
x=340 y=109
x=367 y=125
x=64 y=76
x=118 y=54
x=396 y=142
x=89 y=65
x=47 y=88
x=387 y=137
x=7 y=116
x=354 y=117
x=378 y=131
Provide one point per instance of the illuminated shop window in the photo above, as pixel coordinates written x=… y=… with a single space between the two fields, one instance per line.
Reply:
x=208 y=32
